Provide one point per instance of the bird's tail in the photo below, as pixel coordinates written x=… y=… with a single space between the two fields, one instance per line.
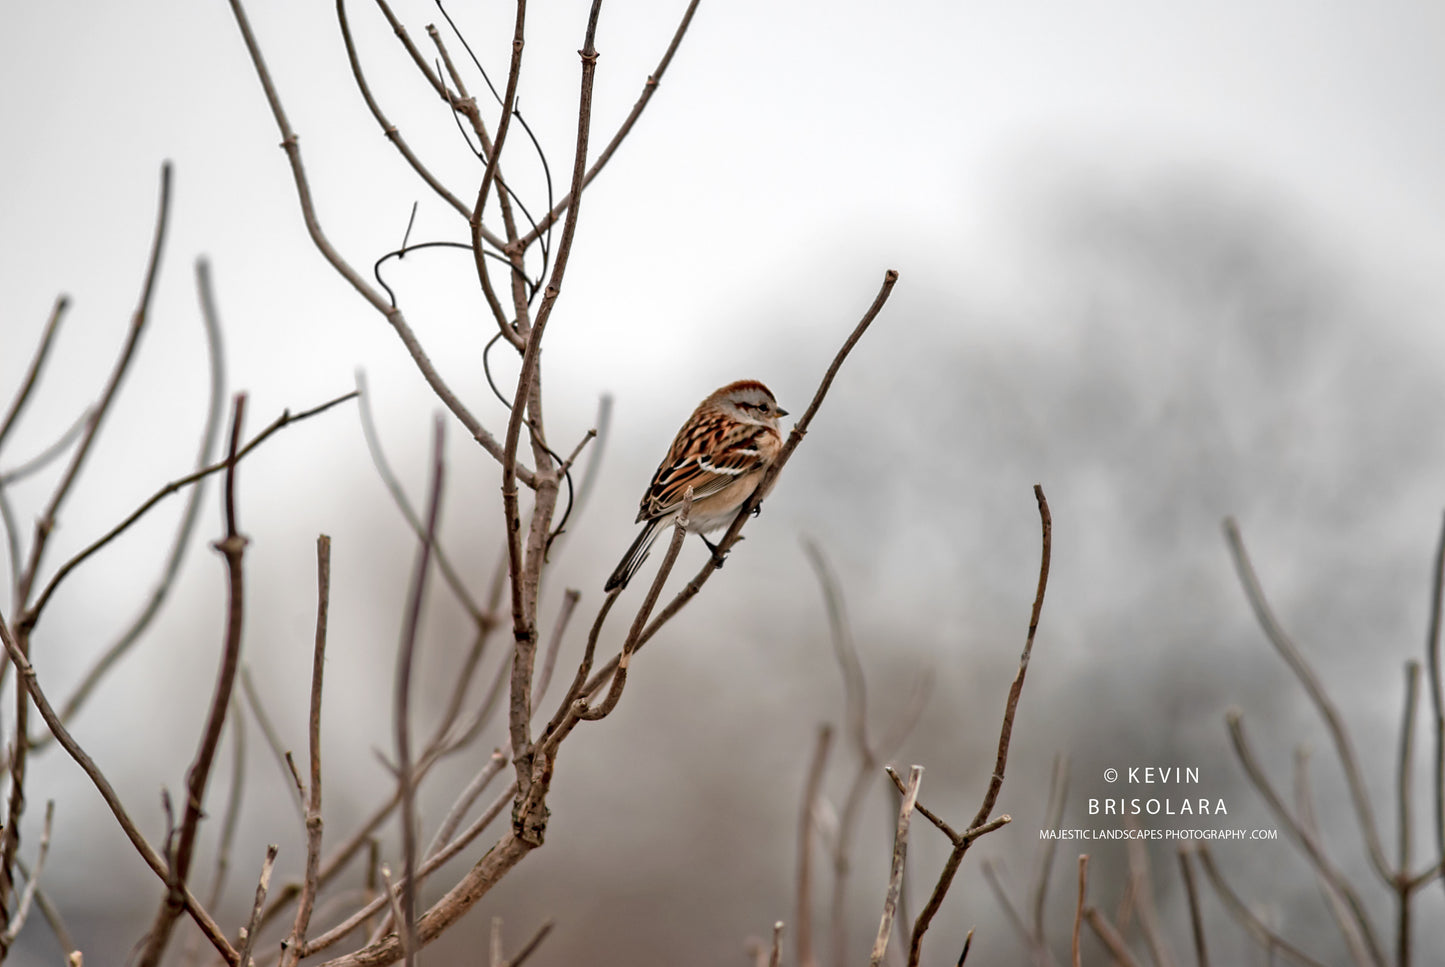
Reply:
x=634 y=557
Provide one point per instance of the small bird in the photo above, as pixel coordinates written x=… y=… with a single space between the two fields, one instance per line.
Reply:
x=721 y=452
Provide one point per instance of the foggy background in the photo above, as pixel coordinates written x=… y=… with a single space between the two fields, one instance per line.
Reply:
x=1172 y=265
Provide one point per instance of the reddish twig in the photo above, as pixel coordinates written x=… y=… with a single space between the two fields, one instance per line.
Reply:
x=232 y=548
x=995 y=785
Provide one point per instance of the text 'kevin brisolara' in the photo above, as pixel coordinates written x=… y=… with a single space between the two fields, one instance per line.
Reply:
x=1157 y=807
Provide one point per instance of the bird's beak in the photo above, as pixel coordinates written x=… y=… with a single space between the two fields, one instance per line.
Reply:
x=782 y=412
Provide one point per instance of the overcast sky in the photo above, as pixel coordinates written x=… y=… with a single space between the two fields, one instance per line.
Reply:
x=793 y=152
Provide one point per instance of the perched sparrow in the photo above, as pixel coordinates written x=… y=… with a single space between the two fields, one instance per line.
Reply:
x=721 y=452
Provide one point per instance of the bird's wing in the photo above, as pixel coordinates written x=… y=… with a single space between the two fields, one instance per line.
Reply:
x=706 y=456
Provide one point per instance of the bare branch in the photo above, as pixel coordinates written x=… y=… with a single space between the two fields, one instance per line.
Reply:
x=52 y=916
x=1338 y=904
x=98 y=413
x=1293 y=657
x=1437 y=698
x=1304 y=838
x=1142 y=881
x=475 y=788
x=765 y=485
x=37 y=364
x=1405 y=792
x=402 y=708
x=1038 y=952
x=549 y=661
x=189 y=517
x=530 y=947
x=291 y=954
x=393 y=315
x=990 y=797
x=1079 y=909
x=1058 y=794
x=279 y=753
x=281 y=422
x=248 y=934
x=1252 y=925
x=50 y=454
x=1196 y=918
x=648 y=89
x=1109 y=937
x=390 y=130
x=895 y=876
x=147 y=852
x=232 y=547
x=398 y=495
x=32 y=882
x=811 y=791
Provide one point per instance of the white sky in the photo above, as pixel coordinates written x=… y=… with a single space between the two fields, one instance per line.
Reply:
x=793 y=152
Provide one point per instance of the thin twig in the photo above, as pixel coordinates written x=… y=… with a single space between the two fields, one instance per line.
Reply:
x=1338 y=904
x=475 y=788
x=394 y=316
x=995 y=785
x=402 y=708
x=107 y=791
x=44 y=526
x=433 y=862
x=281 y=422
x=1142 y=881
x=530 y=947
x=248 y=934
x=1252 y=925
x=37 y=364
x=52 y=916
x=1058 y=793
x=1304 y=838
x=230 y=818
x=639 y=621
x=725 y=543
x=390 y=130
x=398 y=496
x=1293 y=657
x=811 y=791
x=314 y=827
x=1437 y=699
x=525 y=574
x=232 y=547
x=405 y=938
x=1074 y=957
x=1405 y=793
x=549 y=660
x=648 y=89
x=216 y=409
x=895 y=875
x=32 y=882
x=101 y=408
x=1196 y=917
x=50 y=454
x=279 y=753
x=1110 y=938
x=1038 y=951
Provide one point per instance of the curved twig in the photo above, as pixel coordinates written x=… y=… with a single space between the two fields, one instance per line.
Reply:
x=1293 y=657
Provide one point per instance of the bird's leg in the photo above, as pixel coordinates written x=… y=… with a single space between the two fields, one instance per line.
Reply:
x=716 y=556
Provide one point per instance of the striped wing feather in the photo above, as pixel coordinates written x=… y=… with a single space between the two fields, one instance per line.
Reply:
x=707 y=455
